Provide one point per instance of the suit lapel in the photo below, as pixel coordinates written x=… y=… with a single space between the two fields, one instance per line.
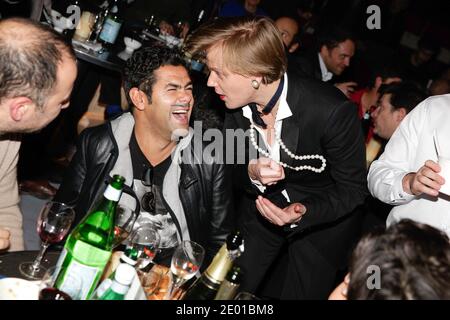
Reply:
x=317 y=71
x=291 y=126
x=242 y=122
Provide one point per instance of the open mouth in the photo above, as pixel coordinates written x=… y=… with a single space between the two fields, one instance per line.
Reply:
x=181 y=115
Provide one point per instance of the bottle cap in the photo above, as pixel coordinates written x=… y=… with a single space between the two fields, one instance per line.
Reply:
x=124 y=274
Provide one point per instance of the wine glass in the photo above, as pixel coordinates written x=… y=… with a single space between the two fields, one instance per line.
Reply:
x=124 y=222
x=144 y=241
x=53 y=224
x=186 y=261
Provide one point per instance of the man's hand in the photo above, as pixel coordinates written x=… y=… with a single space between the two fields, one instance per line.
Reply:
x=280 y=217
x=4 y=238
x=347 y=88
x=265 y=170
x=425 y=180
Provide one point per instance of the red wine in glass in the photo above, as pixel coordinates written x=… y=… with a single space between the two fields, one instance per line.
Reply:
x=53 y=225
x=50 y=237
x=53 y=294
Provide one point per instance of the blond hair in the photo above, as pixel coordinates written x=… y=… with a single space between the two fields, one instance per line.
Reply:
x=251 y=46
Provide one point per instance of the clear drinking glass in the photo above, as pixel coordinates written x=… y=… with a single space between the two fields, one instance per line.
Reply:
x=186 y=261
x=123 y=224
x=145 y=241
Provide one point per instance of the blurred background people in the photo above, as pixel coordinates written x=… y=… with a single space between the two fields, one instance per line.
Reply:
x=289 y=29
x=241 y=8
x=335 y=49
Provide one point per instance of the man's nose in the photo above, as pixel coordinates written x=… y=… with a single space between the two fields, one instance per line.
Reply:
x=347 y=62
x=185 y=96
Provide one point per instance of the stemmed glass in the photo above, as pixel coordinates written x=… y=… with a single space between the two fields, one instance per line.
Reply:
x=53 y=224
x=124 y=222
x=186 y=261
x=144 y=241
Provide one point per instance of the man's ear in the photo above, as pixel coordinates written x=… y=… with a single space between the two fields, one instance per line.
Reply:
x=324 y=52
x=138 y=98
x=18 y=107
x=293 y=47
x=401 y=114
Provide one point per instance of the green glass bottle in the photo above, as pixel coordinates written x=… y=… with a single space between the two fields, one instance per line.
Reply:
x=112 y=25
x=206 y=287
x=88 y=247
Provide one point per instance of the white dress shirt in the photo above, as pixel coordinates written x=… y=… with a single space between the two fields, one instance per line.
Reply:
x=408 y=149
x=274 y=150
x=326 y=75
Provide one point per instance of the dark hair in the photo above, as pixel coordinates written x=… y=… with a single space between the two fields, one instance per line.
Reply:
x=331 y=37
x=428 y=44
x=384 y=72
x=139 y=71
x=414 y=260
x=404 y=94
x=29 y=56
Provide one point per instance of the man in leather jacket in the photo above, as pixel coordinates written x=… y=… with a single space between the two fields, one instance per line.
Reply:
x=178 y=190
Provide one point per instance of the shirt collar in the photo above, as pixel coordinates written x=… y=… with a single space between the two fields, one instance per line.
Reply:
x=283 y=109
x=326 y=75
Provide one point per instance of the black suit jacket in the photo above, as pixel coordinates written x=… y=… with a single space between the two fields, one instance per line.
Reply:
x=323 y=122
x=305 y=64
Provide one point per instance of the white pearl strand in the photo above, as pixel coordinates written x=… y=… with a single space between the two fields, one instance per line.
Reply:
x=289 y=153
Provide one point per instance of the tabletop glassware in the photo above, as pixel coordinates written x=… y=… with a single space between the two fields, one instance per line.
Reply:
x=144 y=241
x=53 y=225
x=123 y=224
x=186 y=261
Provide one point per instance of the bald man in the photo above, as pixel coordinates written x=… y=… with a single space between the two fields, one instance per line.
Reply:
x=289 y=29
x=37 y=72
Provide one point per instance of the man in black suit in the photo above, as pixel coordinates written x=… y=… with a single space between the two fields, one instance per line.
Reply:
x=335 y=48
x=310 y=174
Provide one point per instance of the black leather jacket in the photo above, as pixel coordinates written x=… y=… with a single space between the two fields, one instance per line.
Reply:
x=204 y=189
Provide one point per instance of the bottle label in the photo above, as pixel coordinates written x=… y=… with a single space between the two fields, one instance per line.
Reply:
x=83 y=261
x=110 y=31
x=112 y=193
x=85 y=273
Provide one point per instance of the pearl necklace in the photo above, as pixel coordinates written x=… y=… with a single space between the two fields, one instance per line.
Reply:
x=289 y=153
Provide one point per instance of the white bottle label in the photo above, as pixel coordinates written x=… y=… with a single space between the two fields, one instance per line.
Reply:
x=75 y=271
x=112 y=193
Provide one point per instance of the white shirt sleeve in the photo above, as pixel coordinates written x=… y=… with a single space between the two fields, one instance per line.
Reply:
x=258 y=184
x=386 y=174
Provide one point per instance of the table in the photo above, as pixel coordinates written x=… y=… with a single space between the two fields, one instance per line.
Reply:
x=105 y=59
x=9 y=262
